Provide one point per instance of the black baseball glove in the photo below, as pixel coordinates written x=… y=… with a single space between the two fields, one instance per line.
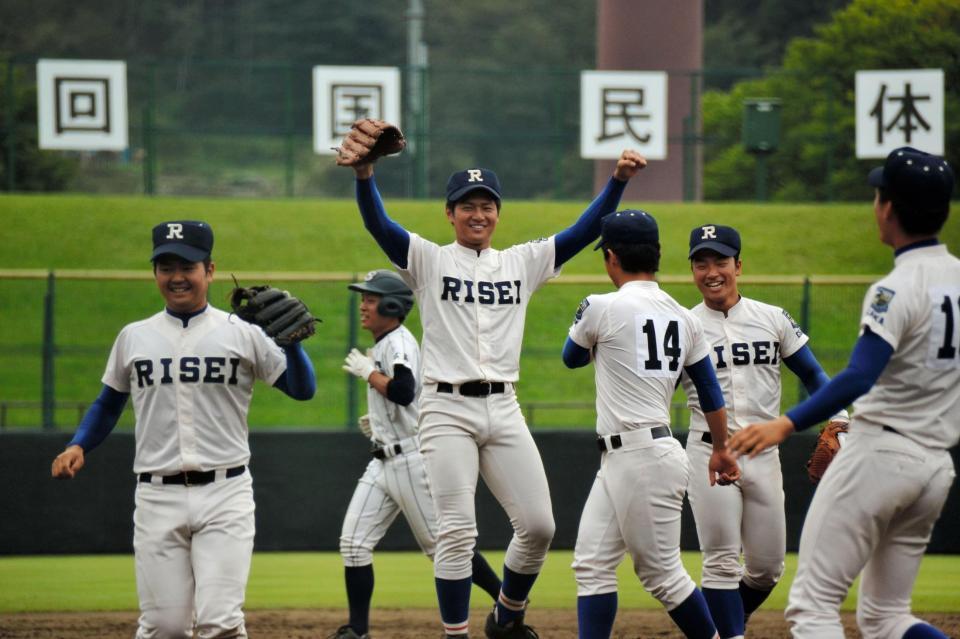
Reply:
x=281 y=316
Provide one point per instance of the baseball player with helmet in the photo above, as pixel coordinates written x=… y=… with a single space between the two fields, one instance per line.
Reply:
x=473 y=301
x=640 y=340
x=748 y=340
x=395 y=480
x=190 y=369
x=874 y=510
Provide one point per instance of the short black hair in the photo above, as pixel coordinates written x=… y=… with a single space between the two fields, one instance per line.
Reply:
x=452 y=204
x=709 y=252
x=170 y=257
x=635 y=258
x=914 y=219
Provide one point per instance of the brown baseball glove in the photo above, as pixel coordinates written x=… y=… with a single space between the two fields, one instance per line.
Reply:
x=369 y=140
x=828 y=445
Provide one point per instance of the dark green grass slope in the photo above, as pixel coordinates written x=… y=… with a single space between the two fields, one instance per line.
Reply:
x=86 y=232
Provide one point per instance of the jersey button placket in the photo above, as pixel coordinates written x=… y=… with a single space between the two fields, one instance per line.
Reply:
x=186 y=392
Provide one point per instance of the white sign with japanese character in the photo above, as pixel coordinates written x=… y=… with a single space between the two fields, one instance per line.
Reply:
x=899 y=108
x=82 y=105
x=623 y=109
x=342 y=95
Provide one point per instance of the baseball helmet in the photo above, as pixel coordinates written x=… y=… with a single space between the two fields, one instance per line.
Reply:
x=396 y=298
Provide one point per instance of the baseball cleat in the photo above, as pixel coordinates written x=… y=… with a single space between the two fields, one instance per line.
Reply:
x=346 y=632
x=516 y=629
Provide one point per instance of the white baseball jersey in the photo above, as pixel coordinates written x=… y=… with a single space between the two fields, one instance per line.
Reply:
x=916 y=309
x=746 y=347
x=641 y=338
x=391 y=422
x=191 y=387
x=473 y=305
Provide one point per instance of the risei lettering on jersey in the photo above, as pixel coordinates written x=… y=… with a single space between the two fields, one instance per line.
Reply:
x=746 y=353
x=482 y=292
x=189 y=370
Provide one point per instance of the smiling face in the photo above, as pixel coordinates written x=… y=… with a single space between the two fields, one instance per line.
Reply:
x=716 y=277
x=370 y=317
x=474 y=219
x=183 y=284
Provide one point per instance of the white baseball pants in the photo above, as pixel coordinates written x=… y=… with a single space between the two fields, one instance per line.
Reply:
x=634 y=506
x=873 y=512
x=463 y=437
x=192 y=547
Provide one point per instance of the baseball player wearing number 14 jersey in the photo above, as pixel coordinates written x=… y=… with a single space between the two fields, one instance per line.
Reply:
x=473 y=301
x=875 y=508
x=748 y=341
x=640 y=340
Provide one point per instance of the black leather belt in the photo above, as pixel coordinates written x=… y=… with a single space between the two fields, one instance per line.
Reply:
x=380 y=452
x=193 y=477
x=707 y=438
x=473 y=389
x=616 y=441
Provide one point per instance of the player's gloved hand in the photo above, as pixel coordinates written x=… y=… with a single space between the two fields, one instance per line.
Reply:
x=356 y=363
x=68 y=463
x=364 y=424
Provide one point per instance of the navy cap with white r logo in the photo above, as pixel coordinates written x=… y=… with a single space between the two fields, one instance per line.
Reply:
x=462 y=182
x=714 y=237
x=187 y=239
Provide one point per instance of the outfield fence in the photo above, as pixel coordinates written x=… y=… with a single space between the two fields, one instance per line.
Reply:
x=58 y=335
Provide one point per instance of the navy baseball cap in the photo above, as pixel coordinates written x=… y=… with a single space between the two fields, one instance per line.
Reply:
x=915 y=177
x=630 y=226
x=714 y=237
x=462 y=182
x=190 y=240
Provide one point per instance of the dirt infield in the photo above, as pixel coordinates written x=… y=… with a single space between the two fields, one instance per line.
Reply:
x=394 y=624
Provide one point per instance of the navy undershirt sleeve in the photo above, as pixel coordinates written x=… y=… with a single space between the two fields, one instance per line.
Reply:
x=870 y=356
x=392 y=238
x=806 y=367
x=586 y=229
x=401 y=389
x=100 y=419
x=704 y=377
x=299 y=380
x=574 y=355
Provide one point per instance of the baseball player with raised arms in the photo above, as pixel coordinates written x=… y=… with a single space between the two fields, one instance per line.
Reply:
x=748 y=340
x=395 y=480
x=878 y=501
x=640 y=339
x=473 y=301
x=190 y=369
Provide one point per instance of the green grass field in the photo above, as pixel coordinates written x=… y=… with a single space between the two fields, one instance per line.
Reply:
x=88 y=232
x=404 y=580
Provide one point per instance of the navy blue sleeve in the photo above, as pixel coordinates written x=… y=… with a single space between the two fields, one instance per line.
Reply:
x=704 y=377
x=806 y=367
x=586 y=229
x=392 y=238
x=402 y=387
x=574 y=355
x=298 y=381
x=100 y=419
x=870 y=356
